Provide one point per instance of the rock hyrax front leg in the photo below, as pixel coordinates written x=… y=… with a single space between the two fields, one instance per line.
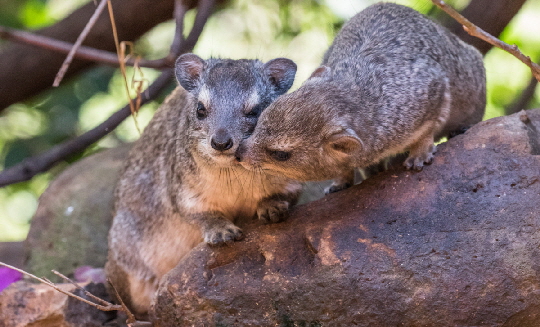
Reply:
x=273 y=211
x=275 y=208
x=421 y=153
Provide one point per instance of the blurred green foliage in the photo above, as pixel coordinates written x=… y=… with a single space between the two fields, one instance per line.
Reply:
x=298 y=29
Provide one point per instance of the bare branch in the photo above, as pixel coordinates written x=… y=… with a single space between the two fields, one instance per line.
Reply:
x=78 y=43
x=26 y=70
x=179 y=13
x=103 y=302
x=41 y=163
x=104 y=306
x=131 y=318
x=109 y=307
x=83 y=52
x=490 y=15
x=204 y=10
x=480 y=33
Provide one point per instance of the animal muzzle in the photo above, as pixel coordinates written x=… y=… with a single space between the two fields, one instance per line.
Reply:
x=221 y=140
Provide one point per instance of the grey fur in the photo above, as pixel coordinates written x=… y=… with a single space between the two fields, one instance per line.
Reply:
x=178 y=189
x=392 y=81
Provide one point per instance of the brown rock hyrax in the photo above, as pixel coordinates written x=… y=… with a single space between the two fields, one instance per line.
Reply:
x=181 y=183
x=392 y=81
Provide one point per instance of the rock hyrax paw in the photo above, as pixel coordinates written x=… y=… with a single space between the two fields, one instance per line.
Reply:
x=273 y=211
x=417 y=163
x=224 y=234
x=336 y=188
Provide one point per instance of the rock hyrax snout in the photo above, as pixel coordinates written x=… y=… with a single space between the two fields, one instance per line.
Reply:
x=181 y=183
x=392 y=81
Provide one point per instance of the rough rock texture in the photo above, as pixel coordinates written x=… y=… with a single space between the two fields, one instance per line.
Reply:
x=454 y=245
x=38 y=305
x=74 y=215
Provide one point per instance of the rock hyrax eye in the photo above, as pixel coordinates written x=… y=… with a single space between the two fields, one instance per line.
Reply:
x=280 y=155
x=201 y=111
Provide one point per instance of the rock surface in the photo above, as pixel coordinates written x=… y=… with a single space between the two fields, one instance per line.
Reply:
x=38 y=305
x=74 y=215
x=457 y=244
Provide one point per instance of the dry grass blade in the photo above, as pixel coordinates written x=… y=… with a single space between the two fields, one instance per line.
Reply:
x=480 y=33
x=121 y=52
x=78 y=43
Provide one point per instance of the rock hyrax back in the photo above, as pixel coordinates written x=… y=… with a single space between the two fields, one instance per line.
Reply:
x=181 y=184
x=392 y=81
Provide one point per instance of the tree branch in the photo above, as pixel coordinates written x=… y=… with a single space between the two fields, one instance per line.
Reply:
x=490 y=15
x=179 y=13
x=481 y=34
x=83 y=52
x=32 y=166
x=41 y=163
x=204 y=10
x=25 y=70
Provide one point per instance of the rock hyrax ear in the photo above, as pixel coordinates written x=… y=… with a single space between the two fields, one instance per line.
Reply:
x=323 y=72
x=189 y=68
x=345 y=142
x=280 y=72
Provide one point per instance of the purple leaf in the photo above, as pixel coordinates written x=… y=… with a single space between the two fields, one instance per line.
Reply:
x=8 y=276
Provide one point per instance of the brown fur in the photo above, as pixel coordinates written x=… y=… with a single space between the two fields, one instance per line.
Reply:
x=392 y=81
x=181 y=184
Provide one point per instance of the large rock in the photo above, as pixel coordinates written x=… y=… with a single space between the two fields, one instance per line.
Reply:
x=454 y=245
x=74 y=215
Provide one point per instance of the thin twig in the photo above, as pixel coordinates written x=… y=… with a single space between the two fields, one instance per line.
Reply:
x=131 y=318
x=104 y=306
x=100 y=300
x=480 y=33
x=78 y=43
x=43 y=162
x=83 y=52
x=108 y=307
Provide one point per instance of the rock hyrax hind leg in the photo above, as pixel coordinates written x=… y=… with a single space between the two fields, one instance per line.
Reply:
x=141 y=295
x=421 y=153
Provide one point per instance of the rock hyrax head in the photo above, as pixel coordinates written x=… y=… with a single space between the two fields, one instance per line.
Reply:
x=301 y=135
x=228 y=97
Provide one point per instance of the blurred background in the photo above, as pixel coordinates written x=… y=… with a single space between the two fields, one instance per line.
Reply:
x=263 y=29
